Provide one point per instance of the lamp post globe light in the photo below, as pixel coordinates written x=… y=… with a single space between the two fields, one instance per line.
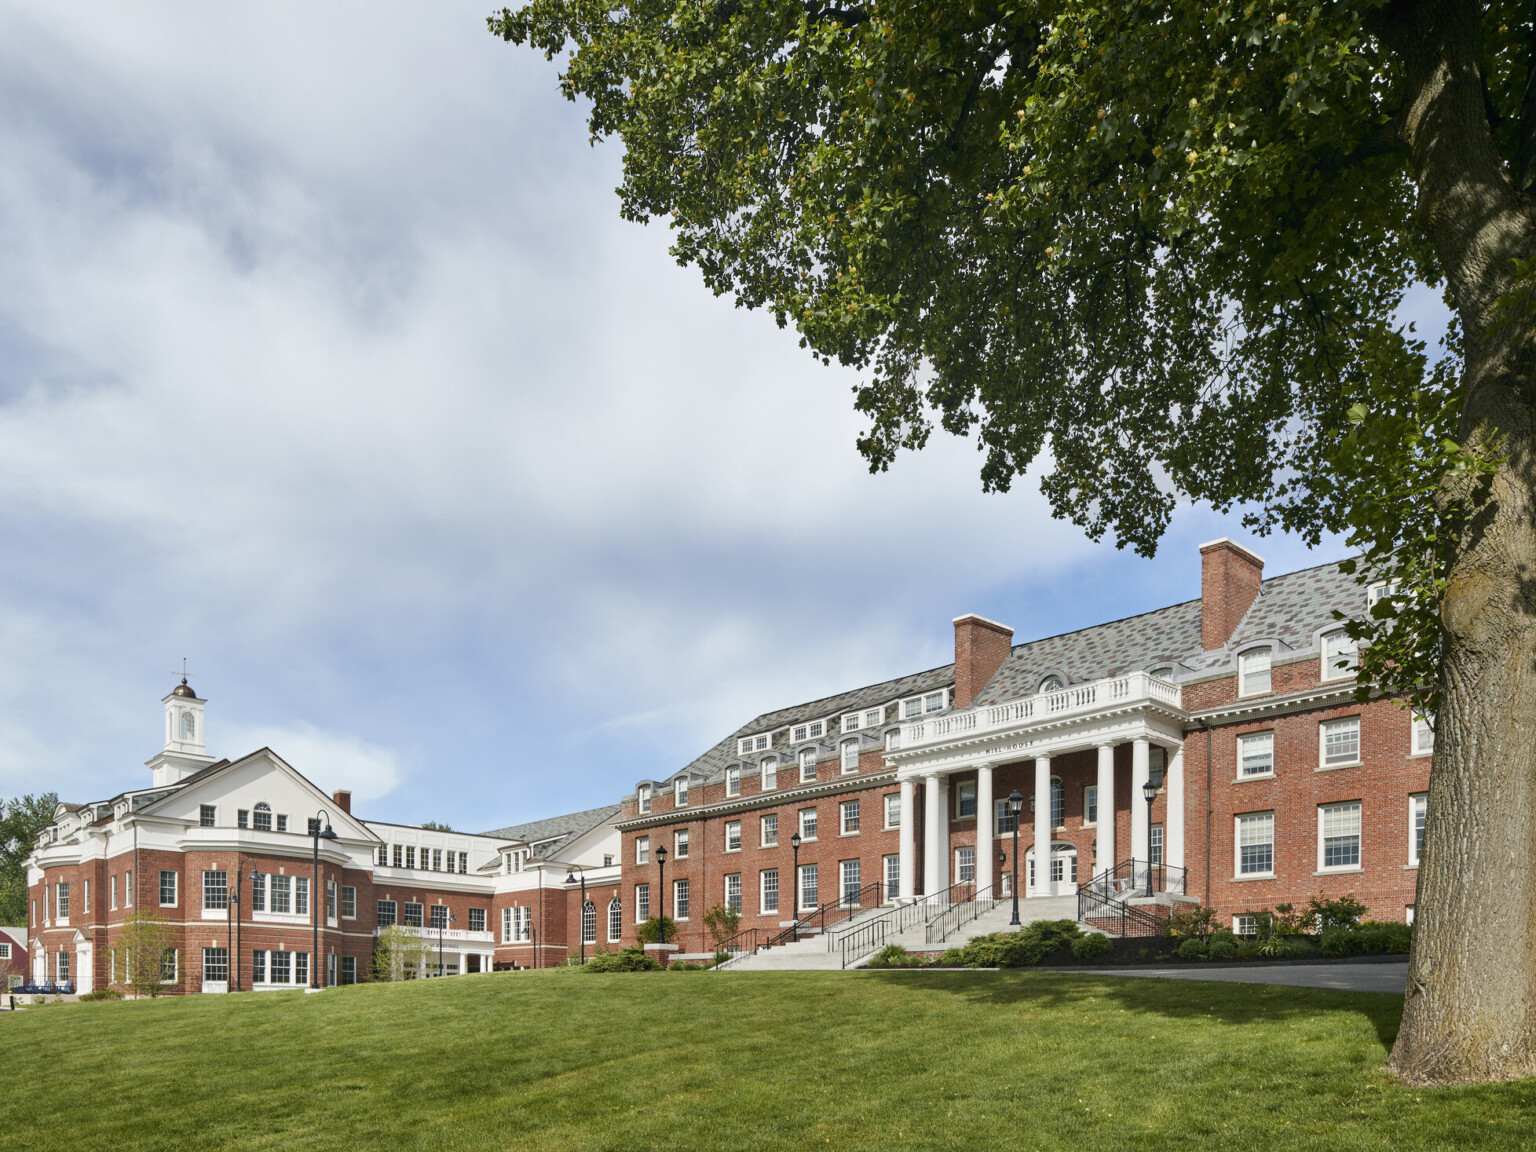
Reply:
x=1015 y=808
x=661 y=862
x=315 y=895
x=794 y=908
x=581 y=919
x=1149 y=790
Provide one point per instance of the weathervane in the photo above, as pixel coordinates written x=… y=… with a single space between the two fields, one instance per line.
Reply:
x=183 y=673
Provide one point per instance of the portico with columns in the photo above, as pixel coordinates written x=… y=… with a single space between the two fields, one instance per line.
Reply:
x=1110 y=735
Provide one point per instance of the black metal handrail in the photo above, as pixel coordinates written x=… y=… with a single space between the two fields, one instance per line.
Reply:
x=958 y=913
x=1131 y=878
x=863 y=940
x=922 y=908
x=828 y=914
x=1101 y=901
x=744 y=943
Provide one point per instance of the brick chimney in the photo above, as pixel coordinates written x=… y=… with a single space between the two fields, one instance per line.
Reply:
x=343 y=799
x=981 y=646
x=1230 y=576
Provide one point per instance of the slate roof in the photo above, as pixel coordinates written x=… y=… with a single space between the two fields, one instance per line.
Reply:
x=563 y=829
x=712 y=763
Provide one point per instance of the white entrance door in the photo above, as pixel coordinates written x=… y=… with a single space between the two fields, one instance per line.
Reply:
x=1060 y=880
x=85 y=973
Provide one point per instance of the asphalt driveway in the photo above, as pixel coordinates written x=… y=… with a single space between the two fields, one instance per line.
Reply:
x=1346 y=977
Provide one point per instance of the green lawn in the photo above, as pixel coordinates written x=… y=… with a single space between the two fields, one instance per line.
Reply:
x=869 y=1060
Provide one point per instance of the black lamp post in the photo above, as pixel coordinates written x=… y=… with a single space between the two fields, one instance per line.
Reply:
x=661 y=861
x=314 y=897
x=231 y=918
x=1149 y=790
x=794 y=908
x=582 y=920
x=442 y=926
x=1015 y=807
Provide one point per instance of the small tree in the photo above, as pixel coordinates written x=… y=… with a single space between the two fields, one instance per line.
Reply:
x=656 y=930
x=722 y=922
x=1192 y=922
x=399 y=954
x=1345 y=912
x=146 y=955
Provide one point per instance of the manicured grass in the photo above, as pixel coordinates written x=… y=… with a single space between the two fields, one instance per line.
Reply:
x=873 y=1060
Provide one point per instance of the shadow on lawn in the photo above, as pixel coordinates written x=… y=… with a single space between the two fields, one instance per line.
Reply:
x=1171 y=999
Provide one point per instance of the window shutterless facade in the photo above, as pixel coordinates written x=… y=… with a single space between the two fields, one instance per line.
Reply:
x=1155 y=844
x=61 y=897
x=411 y=914
x=965 y=799
x=915 y=706
x=589 y=923
x=477 y=919
x=349 y=969
x=348 y=902
x=1091 y=804
x=1418 y=811
x=330 y=900
x=807 y=824
x=769 y=779
x=386 y=913
x=1256 y=754
x=848 y=874
x=733 y=781
x=642 y=849
x=768 y=888
x=216 y=890
x=1058 y=803
x=1338 y=836
x=848 y=811
x=680 y=899
x=167 y=888
x=1423 y=743
x=615 y=919
x=850 y=756
x=1245 y=924
x=770 y=830
x=439 y=914
x=1339 y=655
x=207 y=816
x=680 y=793
x=1340 y=741
x=215 y=965
x=965 y=865
x=1253 y=671
x=807 y=765
x=275 y=967
x=733 y=892
x=261 y=818
x=892 y=875
x=1005 y=820
x=680 y=844
x=733 y=835
x=643 y=798
x=808 y=894
x=642 y=903
x=1256 y=844
x=522 y=924
x=892 y=803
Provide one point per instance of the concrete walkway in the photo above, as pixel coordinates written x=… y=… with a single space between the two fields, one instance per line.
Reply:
x=1391 y=977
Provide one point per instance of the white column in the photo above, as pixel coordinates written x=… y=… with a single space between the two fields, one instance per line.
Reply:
x=1043 y=885
x=908 y=839
x=933 y=850
x=1141 y=769
x=1104 y=840
x=986 y=848
x=1173 y=832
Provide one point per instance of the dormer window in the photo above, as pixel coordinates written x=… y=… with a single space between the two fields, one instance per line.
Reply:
x=1253 y=671
x=917 y=706
x=643 y=798
x=893 y=739
x=809 y=731
x=869 y=718
x=1339 y=655
x=733 y=781
x=1051 y=684
x=680 y=792
x=1379 y=590
x=750 y=744
x=1163 y=672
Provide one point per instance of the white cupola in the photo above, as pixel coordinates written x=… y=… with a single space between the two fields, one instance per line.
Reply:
x=185 y=750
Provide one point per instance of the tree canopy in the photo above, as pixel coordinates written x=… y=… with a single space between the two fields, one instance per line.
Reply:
x=21 y=819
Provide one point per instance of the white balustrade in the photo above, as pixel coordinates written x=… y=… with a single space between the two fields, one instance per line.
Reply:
x=1078 y=699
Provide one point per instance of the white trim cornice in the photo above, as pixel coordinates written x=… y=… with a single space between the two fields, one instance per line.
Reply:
x=1319 y=697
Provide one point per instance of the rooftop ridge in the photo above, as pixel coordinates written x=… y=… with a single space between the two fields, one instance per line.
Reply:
x=748 y=727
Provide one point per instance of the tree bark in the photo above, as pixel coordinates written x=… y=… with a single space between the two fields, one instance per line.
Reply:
x=1470 y=1010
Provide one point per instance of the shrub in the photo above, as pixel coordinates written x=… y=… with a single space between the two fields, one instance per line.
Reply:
x=103 y=994
x=685 y=967
x=722 y=922
x=1193 y=949
x=1223 y=946
x=1030 y=945
x=1345 y=912
x=1192 y=922
x=1278 y=947
x=627 y=960
x=650 y=932
x=1371 y=938
x=1090 y=945
x=895 y=956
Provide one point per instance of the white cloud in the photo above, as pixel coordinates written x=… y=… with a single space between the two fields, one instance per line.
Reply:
x=332 y=760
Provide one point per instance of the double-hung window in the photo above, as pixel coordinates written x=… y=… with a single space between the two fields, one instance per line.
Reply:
x=680 y=899
x=965 y=800
x=1340 y=741
x=733 y=892
x=770 y=776
x=642 y=903
x=439 y=914
x=1338 y=836
x=808 y=894
x=411 y=914
x=642 y=849
x=1253 y=671
x=807 y=824
x=1256 y=844
x=506 y=925
x=768 y=888
x=1006 y=820
x=207 y=816
x=1339 y=655
x=850 y=756
x=348 y=902
x=848 y=874
x=522 y=924
x=387 y=909
x=965 y=865
x=216 y=890
x=1418 y=811
x=1256 y=754
x=330 y=900
x=770 y=830
x=643 y=798
x=680 y=793
x=680 y=844
x=477 y=919
x=615 y=919
x=215 y=965
x=807 y=765
x=733 y=781
x=733 y=835
x=1091 y=804
x=1423 y=735
x=1155 y=844
x=893 y=810
x=301 y=895
x=167 y=888
x=892 y=875
x=61 y=898
x=848 y=812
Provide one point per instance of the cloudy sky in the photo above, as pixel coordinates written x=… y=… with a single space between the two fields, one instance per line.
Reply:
x=326 y=363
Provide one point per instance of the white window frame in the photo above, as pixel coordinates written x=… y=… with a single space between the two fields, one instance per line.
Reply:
x=807 y=814
x=1421 y=737
x=768 y=776
x=961 y=864
x=682 y=899
x=1003 y=825
x=733 y=780
x=848 y=892
x=807 y=870
x=893 y=740
x=1237 y=844
x=1247 y=662
x=807 y=765
x=175 y=900
x=890 y=872
x=762 y=891
x=642 y=902
x=1418 y=809
x=768 y=830
x=892 y=807
x=1323 y=728
x=916 y=707
x=615 y=919
x=965 y=790
x=733 y=891
x=1254 y=739
x=1359 y=815
x=680 y=844
x=642 y=850
x=747 y=745
x=1327 y=662
x=1058 y=796
x=733 y=835
x=1245 y=924
x=1090 y=806
x=848 y=813
x=851 y=722
x=680 y=792
x=850 y=763
x=643 y=798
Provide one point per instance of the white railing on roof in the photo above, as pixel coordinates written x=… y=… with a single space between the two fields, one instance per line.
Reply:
x=1080 y=699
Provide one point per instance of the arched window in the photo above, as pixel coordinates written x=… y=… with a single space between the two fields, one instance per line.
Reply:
x=1163 y=672
x=1339 y=654
x=1253 y=671
x=615 y=919
x=1052 y=684
x=807 y=765
x=261 y=817
x=589 y=923
x=1058 y=803
x=188 y=726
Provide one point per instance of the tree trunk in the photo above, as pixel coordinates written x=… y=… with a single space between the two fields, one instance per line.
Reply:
x=1470 y=1010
